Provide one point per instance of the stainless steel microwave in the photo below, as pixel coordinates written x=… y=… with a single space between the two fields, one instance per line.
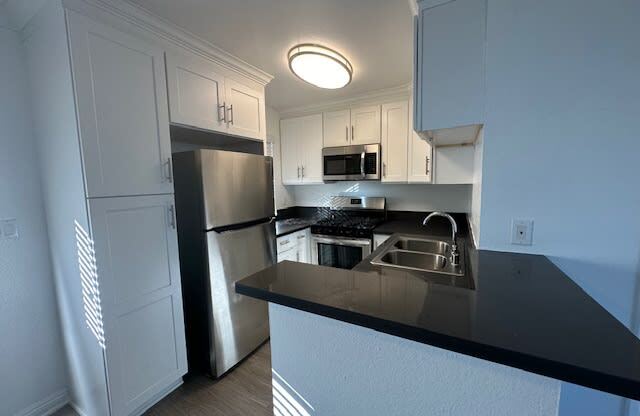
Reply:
x=351 y=163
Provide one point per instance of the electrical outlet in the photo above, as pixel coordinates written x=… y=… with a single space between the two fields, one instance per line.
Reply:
x=522 y=231
x=9 y=229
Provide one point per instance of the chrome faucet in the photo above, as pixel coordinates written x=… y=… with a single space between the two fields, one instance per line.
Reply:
x=455 y=255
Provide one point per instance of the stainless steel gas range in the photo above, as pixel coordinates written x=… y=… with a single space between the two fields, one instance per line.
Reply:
x=345 y=237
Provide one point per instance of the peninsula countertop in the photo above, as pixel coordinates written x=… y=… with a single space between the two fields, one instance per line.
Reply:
x=522 y=311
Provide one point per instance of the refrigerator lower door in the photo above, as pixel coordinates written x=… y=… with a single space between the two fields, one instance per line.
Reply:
x=237 y=324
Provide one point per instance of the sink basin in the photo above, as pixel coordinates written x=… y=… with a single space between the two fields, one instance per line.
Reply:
x=413 y=260
x=423 y=245
x=420 y=254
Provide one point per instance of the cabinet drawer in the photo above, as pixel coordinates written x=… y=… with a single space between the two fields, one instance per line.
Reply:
x=287 y=242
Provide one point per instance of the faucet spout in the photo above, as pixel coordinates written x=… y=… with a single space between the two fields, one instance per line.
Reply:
x=455 y=255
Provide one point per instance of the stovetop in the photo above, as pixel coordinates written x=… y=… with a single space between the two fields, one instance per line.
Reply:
x=347 y=226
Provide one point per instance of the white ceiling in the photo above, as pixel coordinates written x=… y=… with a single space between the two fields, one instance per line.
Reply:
x=375 y=35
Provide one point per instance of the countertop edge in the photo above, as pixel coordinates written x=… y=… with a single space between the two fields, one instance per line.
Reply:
x=548 y=368
x=294 y=229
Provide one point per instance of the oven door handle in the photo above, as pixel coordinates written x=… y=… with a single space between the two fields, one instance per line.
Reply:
x=342 y=241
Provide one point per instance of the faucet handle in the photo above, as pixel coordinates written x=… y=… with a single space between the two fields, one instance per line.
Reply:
x=455 y=255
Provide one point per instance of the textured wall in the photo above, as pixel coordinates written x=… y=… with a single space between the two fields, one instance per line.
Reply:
x=32 y=364
x=326 y=367
x=561 y=146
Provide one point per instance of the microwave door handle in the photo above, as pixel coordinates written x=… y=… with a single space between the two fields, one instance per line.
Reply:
x=362 y=165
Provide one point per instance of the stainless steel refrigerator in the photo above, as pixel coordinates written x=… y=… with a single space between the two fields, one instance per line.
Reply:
x=225 y=210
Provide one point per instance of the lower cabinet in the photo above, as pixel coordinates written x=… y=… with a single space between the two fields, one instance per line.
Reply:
x=295 y=247
x=138 y=278
x=379 y=239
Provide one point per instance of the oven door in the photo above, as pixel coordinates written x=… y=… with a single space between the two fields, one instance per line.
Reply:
x=342 y=253
x=351 y=163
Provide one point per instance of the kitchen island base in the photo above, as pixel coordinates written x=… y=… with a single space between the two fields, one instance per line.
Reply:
x=323 y=366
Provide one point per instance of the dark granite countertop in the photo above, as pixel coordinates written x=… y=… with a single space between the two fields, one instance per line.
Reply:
x=291 y=225
x=523 y=312
x=411 y=223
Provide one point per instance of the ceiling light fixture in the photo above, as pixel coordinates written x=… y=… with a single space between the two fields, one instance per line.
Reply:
x=320 y=66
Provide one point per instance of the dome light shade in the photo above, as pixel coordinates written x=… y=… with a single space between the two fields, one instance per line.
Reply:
x=320 y=66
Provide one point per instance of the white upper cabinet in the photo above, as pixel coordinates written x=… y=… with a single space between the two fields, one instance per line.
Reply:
x=301 y=150
x=122 y=110
x=246 y=110
x=449 y=88
x=336 y=128
x=136 y=253
x=196 y=92
x=290 y=131
x=365 y=125
x=359 y=125
x=199 y=96
x=420 y=158
x=311 y=151
x=395 y=135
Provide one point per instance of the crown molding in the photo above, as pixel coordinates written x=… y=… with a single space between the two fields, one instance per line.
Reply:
x=386 y=94
x=413 y=6
x=168 y=31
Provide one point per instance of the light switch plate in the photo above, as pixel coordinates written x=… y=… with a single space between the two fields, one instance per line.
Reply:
x=522 y=231
x=9 y=229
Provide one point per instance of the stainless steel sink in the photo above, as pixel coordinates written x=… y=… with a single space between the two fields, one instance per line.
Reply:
x=421 y=261
x=420 y=254
x=423 y=245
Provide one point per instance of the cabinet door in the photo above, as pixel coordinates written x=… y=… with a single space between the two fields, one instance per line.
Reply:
x=336 y=128
x=365 y=125
x=196 y=92
x=290 y=132
x=310 y=151
x=379 y=239
x=121 y=97
x=420 y=157
x=136 y=255
x=290 y=255
x=450 y=64
x=246 y=110
x=302 y=239
x=395 y=135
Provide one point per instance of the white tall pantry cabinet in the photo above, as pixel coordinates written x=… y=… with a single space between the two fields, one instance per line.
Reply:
x=101 y=113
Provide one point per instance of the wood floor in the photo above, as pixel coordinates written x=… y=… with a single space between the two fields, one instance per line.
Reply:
x=245 y=391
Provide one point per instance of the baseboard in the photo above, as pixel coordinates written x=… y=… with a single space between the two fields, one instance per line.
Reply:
x=155 y=399
x=77 y=409
x=47 y=406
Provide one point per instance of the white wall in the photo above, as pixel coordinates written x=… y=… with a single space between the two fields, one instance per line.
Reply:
x=283 y=195
x=476 y=192
x=32 y=363
x=353 y=370
x=562 y=146
x=452 y=198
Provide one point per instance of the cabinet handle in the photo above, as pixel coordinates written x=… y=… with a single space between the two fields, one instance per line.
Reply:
x=303 y=172
x=168 y=170
x=298 y=172
x=426 y=165
x=353 y=133
x=384 y=169
x=231 y=114
x=300 y=237
x=172 y=216
x=346 y=133
x=284 y=242
x=222 y=107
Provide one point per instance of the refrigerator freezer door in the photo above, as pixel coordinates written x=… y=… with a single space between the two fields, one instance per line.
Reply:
x=237 y=187
x=238 y=324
